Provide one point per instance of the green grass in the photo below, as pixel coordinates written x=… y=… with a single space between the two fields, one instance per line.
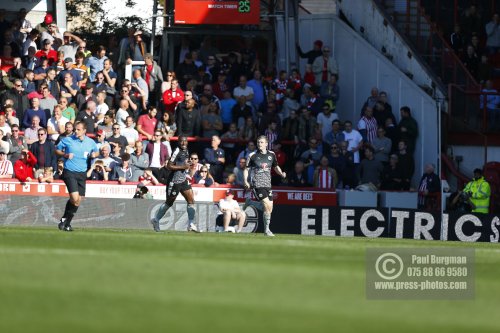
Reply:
x=138 y=281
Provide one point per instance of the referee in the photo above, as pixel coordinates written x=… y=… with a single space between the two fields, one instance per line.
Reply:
x=260 y=163
x=76 y=150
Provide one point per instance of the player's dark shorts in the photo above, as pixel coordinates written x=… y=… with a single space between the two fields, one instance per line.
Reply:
x=75 y=181
x=263 y=192
x=174 y=189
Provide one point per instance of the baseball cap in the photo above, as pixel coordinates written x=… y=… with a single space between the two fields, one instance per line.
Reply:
x=48 y=19
x=138 y=32
x=100 y=132
x=68 y=59
x=229 y=192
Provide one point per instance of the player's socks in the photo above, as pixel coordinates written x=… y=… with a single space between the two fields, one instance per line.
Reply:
x=161 y=211
x=267 y=221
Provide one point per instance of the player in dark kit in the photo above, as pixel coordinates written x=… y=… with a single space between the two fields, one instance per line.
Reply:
x=178 y=164
x=260 y=164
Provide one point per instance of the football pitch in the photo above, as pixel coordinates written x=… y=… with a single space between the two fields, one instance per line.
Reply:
x=95 y=280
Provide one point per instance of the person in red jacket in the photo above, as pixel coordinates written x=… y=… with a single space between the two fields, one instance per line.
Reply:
x=173 y=96
x=47 y=52
x=23 y=168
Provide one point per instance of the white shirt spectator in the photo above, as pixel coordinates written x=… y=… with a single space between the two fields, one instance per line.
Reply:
x=155 y=159
x=101 y=109
x=239 y=91
x=6 y=169
x=56 y=126
x=130 y=134
x=353 y=139
x=121 y=116
x=6 y=129
x=228 y=204
x=325 y=122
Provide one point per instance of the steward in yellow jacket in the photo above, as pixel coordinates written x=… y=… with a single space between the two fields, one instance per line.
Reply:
x=479 y=192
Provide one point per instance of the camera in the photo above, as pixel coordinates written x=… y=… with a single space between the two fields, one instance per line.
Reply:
x=465 y=195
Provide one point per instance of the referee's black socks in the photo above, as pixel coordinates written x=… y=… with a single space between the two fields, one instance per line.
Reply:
x=69 y=212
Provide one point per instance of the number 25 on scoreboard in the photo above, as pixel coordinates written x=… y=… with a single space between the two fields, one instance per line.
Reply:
x=244 y=6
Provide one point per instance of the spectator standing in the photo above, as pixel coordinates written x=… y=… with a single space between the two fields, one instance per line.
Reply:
x=408 y=129
x=31 y=133
x=96 y=62
x=407 y=164
x=53 y=35
x=370 y=169
x=117 y=139
x=429 y=184
x=382 y=146
x=173 y=96
x=349 y=176
x=87 y=116
x=44 y=151
x=189 y=119
x=157 y=152
x=35 y=111
x=216 y=157
x=211 y=122
x=47 y=52
x=336 y=135
x=325 y=120
x=329 y=91
x=18 y=97
x=259 y=94
x=493 y=34
x=129 y=132
x=312 y=54
x=139 y=160
x=324 y=66
x=238 y=171
x=367 y=125
x=354 y=140
x=146 y=124
x=337 y=161
x=17 y=144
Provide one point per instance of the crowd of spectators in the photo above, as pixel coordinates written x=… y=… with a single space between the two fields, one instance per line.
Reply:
x=222 y=100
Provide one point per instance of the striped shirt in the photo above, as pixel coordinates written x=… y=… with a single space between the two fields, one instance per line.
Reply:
x=326 y=178
x=370 y=125
x=6 y=168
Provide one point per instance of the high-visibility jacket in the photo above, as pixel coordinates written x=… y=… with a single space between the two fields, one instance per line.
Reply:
x=480 y=195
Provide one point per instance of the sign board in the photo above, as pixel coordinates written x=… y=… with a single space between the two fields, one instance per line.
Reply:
x=217 y=12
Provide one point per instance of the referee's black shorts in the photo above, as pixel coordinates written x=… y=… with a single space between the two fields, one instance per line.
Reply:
x=75 y=181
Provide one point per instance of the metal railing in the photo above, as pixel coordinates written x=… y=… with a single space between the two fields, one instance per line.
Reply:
x=429 y=41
